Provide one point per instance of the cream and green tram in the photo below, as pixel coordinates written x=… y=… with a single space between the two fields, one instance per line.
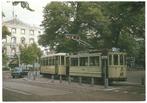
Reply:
x=53 y=64
x=91 y=65
x=83 y=65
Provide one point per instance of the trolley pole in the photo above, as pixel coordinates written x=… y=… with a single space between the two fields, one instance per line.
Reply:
x=105 y=68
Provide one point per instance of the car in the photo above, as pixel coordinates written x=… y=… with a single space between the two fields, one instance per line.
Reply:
x=18 y=72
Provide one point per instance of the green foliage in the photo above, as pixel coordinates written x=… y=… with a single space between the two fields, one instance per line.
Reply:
x=140 y=53
x=125 y=17
x=5 y=32
x=102 y=24
x=56 y=22
x=29 y=54
x=24 y=4
x=4 y=59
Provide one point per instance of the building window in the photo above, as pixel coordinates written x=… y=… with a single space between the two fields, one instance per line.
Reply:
x=22 y=31
x=13 y=30
x=23 y=40
x=31 y=40
x=13 y=40
x=39 y=32
x=32 y=32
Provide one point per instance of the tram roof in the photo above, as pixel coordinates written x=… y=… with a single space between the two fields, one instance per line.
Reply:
x=56 y=54
x=116 y=52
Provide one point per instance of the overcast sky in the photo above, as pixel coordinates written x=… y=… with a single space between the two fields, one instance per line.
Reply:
x=32 y=18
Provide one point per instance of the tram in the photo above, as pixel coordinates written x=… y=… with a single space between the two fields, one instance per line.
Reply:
x=85 y=65
x=54 y=64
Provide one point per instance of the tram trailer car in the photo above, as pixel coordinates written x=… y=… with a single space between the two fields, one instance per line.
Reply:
x=54 y=64
x=85 y=65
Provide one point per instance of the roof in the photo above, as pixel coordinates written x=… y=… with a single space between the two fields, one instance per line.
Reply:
x=57 y=54
x=18 y=22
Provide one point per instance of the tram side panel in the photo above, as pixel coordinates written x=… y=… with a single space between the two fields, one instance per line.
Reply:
x=85 y=65
x=85 y=71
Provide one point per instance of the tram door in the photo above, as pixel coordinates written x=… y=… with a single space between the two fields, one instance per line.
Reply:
x=57 y=58
x=67 y=66
x=104 y=66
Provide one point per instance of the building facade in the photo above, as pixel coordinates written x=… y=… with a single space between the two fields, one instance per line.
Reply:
x=21 y=33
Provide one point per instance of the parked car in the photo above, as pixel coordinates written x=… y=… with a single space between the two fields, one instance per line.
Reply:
x=18 y=72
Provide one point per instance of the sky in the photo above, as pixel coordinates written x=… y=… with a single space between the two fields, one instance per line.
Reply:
x=32 y=18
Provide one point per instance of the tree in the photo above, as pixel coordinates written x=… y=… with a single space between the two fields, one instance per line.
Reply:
x=5 y=32
x=23 y=4
x=56 y=22
x=4 y=59
x=102 y=24
x=61 y=18
x=126 y=17
x=29 y=54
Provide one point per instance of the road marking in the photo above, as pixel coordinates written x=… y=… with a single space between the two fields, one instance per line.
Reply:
x=18 y=91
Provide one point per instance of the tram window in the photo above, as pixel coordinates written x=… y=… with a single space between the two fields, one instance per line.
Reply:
x=83 y=61
x=110 y=59
x=62 y=60
x=94 y=61
x=50 y=61
x=121 y=59
x=57 y=60
x=46 y=61
x=125 y=60
x=41 y=62
x=115 y=59
x=74 y=61
x=53 y=61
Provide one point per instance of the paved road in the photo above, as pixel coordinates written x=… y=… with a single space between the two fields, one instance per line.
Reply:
x=44 y=90
x=29 y=89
